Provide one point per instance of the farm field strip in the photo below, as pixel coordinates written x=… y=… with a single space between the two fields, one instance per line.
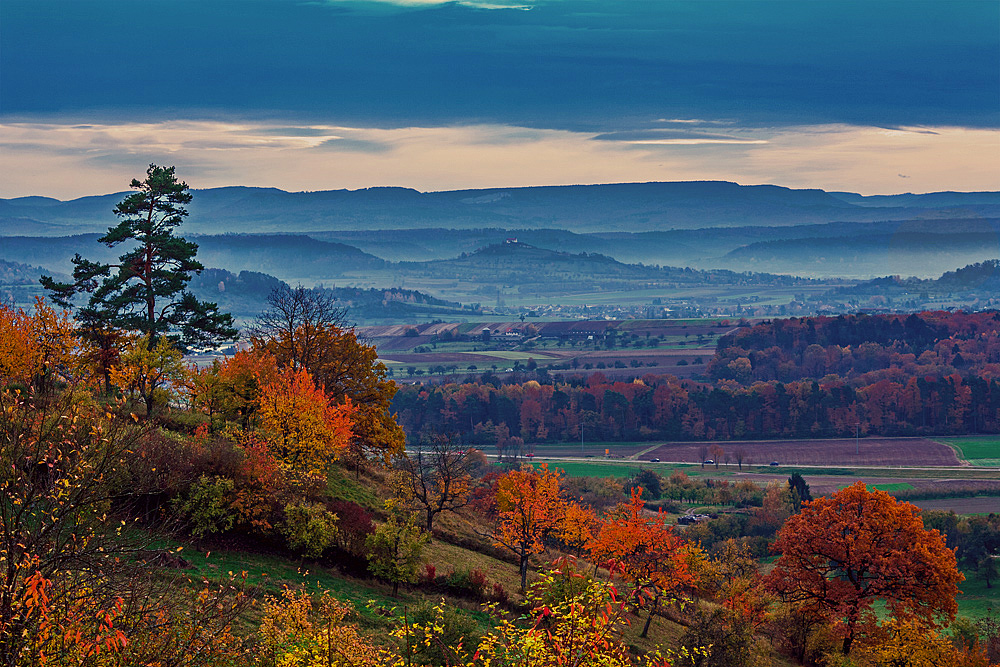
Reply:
x=975 y=505
x=513 y=355
x=908 y=452
x=982 y=451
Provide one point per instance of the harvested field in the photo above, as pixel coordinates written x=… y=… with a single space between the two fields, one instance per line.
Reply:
x=499 y=358
x=835 y=452
x=824 y=484
x=977 y=505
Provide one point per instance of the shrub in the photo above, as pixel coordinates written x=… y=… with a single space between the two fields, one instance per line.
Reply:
x=499 y=594
x=207 y=505
x=354 y=524
x=477 y=581
x=309 y=528
x=454 y=633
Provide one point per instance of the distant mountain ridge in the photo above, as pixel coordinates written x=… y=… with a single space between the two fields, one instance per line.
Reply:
x=629 y=207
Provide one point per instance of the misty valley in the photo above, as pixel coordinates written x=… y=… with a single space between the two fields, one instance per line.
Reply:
x=647 y=250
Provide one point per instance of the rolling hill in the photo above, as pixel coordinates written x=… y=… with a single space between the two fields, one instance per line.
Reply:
x=631 y=207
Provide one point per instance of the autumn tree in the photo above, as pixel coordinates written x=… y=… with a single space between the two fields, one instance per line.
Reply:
x=59 y=552
x=145 y=291
x=579 y=626
x=529 y=507
x=207 y=392
x=235 y=389
x=739 y=455
x=438 y=476
x=394 y=550
x=295 y=323
x=844 y=552
x=577 y=526
x=909 y=644
x=304 y=328
x=729 y=629
x=647 y=551
x=149 y=372
x=717 y=453
x=305 y=428
x=301 y=629
x=38 y=348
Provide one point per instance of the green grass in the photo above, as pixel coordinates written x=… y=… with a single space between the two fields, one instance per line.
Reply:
x=342 y=486
x=979 y=451
x=587 y=469
x=271 y=574
x=976 y=600
x=601 y=468
x=897 y=486
x=890 y=487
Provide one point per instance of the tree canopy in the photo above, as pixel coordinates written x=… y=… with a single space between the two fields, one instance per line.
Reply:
x=844 y=552
x=304 y=328
x=145 y=291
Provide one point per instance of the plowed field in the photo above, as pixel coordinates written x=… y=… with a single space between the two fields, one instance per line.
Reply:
x=837 y=452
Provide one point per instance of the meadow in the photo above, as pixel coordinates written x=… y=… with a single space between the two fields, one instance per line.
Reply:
x=982 y=451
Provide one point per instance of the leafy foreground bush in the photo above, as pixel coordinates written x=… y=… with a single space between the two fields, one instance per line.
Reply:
x=580 y=625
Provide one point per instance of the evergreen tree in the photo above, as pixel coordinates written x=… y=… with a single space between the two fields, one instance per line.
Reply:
x=145 y=292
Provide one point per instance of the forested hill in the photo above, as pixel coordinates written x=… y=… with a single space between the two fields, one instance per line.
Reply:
x=979 y=280
x=603 y=208
x=514 y=262
x=245 y=296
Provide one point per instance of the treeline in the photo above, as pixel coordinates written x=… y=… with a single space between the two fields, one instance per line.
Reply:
x=929 y=343
x=668 y=408
x=926 y=374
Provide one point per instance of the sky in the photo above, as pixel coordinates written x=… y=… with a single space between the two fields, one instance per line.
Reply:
x=870 y=96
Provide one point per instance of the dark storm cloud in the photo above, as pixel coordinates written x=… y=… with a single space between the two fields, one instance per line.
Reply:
x=598 y=66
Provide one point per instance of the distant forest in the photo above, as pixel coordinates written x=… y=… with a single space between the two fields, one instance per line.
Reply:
x=890 y=375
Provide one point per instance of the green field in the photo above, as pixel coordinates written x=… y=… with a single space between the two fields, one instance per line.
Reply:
x=604 y=468
x=898 y=486
x=588 y=469
x=512 y=355
x=976 y=600
x=981 y=451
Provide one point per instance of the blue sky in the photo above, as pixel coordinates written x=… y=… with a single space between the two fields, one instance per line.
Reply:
x=870 y=96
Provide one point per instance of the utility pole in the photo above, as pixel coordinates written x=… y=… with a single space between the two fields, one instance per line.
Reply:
x=857 y=439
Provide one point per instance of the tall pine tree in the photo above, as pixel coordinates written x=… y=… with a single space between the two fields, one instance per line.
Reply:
x=145 y=291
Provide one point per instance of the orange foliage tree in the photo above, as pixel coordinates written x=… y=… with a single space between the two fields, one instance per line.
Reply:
x=231 y=388
x=306 y=429
x=577 y=526
x=529 y=507
x=304 y=328
x=645 y=550
x=844 y=552
x=38 y=347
